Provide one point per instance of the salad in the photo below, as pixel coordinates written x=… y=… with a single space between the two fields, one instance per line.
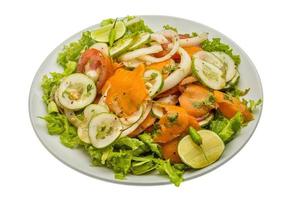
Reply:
x=140 y=101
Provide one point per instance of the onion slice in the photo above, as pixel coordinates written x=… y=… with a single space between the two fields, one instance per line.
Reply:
x=194 y=41
x=175 y=40
x=158 y=37
x=155 y=48
x=183 y=70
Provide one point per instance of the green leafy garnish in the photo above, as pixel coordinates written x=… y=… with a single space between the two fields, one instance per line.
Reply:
x=216 y=45
x=107 y=22
x=168 y=27
x=207 y=102
x=172 y=117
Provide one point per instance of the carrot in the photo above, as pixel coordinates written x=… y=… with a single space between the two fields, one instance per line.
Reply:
x=144 y=125
x=192 y=100
x=174 y=123
x=126 y=91
x=171 y=91
x=192 y=50
x=169 y=151
x=230 y=106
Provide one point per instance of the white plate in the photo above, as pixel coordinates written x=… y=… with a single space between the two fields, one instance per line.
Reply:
x=79 y=161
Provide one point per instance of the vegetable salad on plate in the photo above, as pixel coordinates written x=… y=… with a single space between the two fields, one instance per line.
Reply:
x=140 y=101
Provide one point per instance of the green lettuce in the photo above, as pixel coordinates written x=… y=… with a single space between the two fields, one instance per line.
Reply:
x=72 y=51
x=136 y=27
x=106 y=22
x=147 y=139
x=143 y=165
x=226 y=129
x=168 y=27
x=127 y=143
x=216 y=45
x=49 y=83
x=165 y=168
x=57 y=124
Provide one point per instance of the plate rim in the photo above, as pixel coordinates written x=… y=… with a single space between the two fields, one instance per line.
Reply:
x=166 y=181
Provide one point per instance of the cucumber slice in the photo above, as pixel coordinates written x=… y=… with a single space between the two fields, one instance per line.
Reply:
x=201 y=156
x=94 y=109
x=89 y=112
x=234 y=81
x=228 y=61
x=121 y=46
x=207 y=120
x=76 y=91
x=157 y=111
x=102 y=34
x=104 y=129
x=154 y=81
x=210 y=58
x=128 y=121
x=140 y=40
x=209 y=74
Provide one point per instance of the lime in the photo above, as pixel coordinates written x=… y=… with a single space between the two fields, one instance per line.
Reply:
x=201 y=156
x=102 y=34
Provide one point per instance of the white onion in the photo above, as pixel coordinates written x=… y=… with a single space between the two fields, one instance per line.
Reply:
x=102 y=47
x=194 y=40
x=158 y=37
x=132 y=63
x=170 y=99
x=155 y=48
x=175 y=39
x=184 y=69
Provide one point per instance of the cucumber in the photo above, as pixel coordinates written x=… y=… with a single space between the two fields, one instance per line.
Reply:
x=104 y=129
x=200 y=156
x=102 y=34
x=208 y=74
x=230 y=64
x=207 y=120
x=128 y=121
x=157 y=111
x=211 y=58
x=140 y=40
x=154 y=81
x=76 y=91
x=94 y=109
x=121 y=46
x=234 y=81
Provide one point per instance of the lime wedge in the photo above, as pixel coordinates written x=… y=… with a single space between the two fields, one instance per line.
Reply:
x=201 y=156
x=102 y=34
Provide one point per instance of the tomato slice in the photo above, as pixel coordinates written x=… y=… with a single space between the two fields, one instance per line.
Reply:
x=92 y=59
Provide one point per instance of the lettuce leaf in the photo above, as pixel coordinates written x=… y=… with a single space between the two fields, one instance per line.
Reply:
x=57 y=124
x=107 y=22
x=147 y=139
x=143 y=165
x=168 y=27
x=226 y=129
x=49 y=83
x=127 y=143
x=165 y=168
x=216 y=45
x=95 y=155
x=136 y=27
x=120 y=163
x=72 y=51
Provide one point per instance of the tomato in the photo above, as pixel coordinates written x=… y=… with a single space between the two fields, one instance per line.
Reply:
x=92 y=59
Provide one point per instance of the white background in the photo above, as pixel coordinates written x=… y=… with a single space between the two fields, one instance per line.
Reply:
x=31 y=29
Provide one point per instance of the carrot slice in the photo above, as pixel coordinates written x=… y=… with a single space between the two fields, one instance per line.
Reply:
x=230 y=106
x=192 y=50
x=126 y=91
x=144 y=125
x=192 y=98
x=174 y=123
x=169 y=151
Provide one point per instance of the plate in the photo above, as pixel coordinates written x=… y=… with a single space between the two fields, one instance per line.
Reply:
x=79 y=161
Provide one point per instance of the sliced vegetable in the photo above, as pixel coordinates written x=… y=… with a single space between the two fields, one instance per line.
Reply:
x=121 y=46
x=149 y=121
x=102 y=47
x=104 y=129
x=130 y=120
x=234 y=81
x=157 y=111
x=207 y=120
x=211 y=58
x=94 y=109
x=183 y=70
x=140 y=40
x=102 y=34
x=76 y=91
x=154 y=81
x=229 y=63
x=201 y=156
x=208 y=74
